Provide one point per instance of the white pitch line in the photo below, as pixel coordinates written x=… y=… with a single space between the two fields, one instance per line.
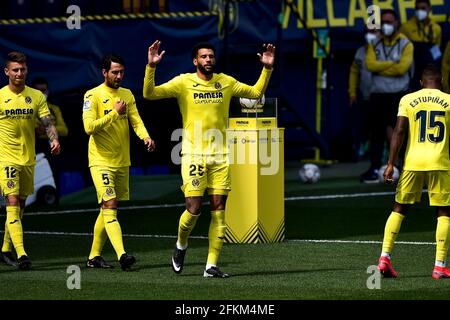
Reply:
x=176 y=205
x=341 y=196
x=59 y=233
x=151 y=206
x=361 y=241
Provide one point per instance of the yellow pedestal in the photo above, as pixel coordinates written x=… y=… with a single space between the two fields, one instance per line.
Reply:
x=255 y=206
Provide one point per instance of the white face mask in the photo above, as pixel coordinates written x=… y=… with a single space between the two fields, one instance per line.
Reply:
x=421 y=14
x=46 y=96
x=387 y=29
x=370 y=37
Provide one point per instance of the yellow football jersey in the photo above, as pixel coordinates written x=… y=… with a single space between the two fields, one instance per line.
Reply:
x=18 y=115
x=429 y=124
x=109 y=142
x=204 y=106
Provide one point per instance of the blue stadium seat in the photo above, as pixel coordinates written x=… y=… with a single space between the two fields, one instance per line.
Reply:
x=70 y=181
x=137 y=171
x=161 y=169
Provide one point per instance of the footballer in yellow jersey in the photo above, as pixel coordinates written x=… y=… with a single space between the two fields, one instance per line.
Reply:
x=424 y=117
x=204 y=99
x=107 y=109
x=20 y=107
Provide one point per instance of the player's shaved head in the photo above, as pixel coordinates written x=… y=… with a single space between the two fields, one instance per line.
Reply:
x=15 y=56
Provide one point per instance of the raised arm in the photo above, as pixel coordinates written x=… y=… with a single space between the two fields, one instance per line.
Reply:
x=154 y=57
x=150 y=90
x=267 y=58
x=243 y=90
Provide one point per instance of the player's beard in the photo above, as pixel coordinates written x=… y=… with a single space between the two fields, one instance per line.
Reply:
x=204 y=71
x=113 y=84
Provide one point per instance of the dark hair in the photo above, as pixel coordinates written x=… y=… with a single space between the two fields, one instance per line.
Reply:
x=106 y=61
x=15 y=56
x=39 y=80
x=391 y=11
x=424 y=1
x=432 y=71
x=202 y=45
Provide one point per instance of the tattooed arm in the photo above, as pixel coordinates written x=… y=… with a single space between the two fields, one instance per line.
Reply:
x=52 y=135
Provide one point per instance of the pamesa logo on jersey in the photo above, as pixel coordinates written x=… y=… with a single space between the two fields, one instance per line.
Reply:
x=19 y=113
x=208 y=97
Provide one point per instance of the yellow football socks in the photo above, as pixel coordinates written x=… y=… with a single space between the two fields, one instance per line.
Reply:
x=7 y=244
x=14 y=226
x=113 y=230
x=391 y=230
x=100 y=236
x=185 y=227
x=216 y=236
x=442 y=238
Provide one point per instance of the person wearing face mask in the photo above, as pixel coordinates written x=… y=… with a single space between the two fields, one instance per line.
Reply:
x=426 y=36
x=57 y=119
x=390 y=60
x=360 y=81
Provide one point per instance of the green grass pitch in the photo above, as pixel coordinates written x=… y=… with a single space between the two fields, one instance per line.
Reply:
x=297 y=269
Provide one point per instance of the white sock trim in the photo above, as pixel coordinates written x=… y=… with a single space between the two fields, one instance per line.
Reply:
x=438 y=263
x=208 y=266
x=386 y=254
x=180 y=247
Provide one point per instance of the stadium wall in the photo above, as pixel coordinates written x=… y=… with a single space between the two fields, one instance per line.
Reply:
x=69 y=59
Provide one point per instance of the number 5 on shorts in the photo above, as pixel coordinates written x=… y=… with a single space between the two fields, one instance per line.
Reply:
x=105 y=178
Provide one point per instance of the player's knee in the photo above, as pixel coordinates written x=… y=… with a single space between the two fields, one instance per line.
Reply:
x=12 y=200
x=218 y=202
x=193 y=205
x=217 y=206
x=443 y=211
x=110 y=204
x=400 y=208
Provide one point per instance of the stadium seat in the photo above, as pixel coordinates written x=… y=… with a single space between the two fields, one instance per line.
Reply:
x=71 y=181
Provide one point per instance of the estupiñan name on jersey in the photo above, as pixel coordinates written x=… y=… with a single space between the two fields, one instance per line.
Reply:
x=429 y=99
